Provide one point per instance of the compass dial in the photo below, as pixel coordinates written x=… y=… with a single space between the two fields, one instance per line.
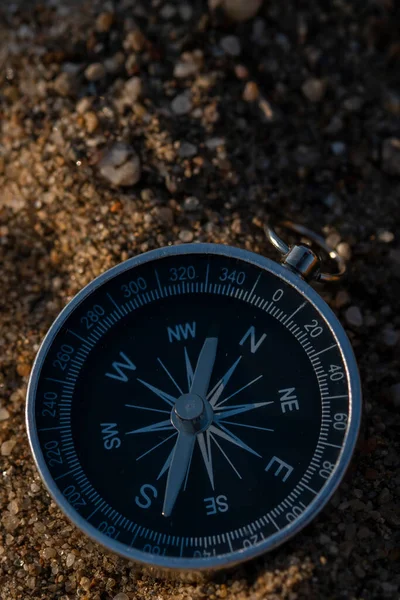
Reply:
x=194 y=406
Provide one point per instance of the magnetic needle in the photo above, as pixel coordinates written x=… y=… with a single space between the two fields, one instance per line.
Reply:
x=195 y=406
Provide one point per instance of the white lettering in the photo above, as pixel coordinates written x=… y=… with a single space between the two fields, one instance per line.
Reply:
x=282 y=465
x=182 y=331
x=289 y=399
x=120 y=366
x=251 y=333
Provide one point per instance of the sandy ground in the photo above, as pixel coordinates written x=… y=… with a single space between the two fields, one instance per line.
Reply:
x=294 y=114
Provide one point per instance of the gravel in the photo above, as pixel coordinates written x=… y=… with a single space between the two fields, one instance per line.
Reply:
x=88 y=179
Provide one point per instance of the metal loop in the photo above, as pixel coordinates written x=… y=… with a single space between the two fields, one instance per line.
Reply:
x=284 y=249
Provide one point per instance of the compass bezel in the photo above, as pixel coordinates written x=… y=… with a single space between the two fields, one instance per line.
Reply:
x=315 y=506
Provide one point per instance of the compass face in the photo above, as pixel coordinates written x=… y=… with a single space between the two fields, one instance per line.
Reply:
x=194 y=406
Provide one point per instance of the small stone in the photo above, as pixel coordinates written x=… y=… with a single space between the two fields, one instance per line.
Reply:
x=7 y=447
x=65 y=84
x=338 y=148
x=49 y=553
x=84 y=582
x=386 y=237
x=314 y=89
x=230 y=44
x=344 y=250
x=191 y=203
x=94 y=72
x=187 y=150
x=390 y=336
x=132 y=90
x=186 y=236
x=4 y=414
x=214 y=143
x=181 y=104
x=353 y=316
x=121 y=596
x=114 y=63
x=135 y=40
x=167 y=12
x=121 y=165
x=251 y=92
x=91 y=121
x=237 y=10
x=330 y=200
x=185 y=12
x=241 y=72
x=353 y=104
x=83 y=105
x=391 y=156
x=70 y=559
x=164 y=215
x=104 y=22
x=185 y=69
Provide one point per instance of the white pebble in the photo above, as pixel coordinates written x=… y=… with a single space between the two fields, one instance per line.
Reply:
x=186 y=236
x=4 y=414
x=7 y=447
x=314 y=89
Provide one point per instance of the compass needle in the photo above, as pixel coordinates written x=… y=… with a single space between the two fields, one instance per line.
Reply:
x=195 y=406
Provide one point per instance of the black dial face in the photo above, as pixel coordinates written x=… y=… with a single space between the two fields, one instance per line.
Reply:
x=191 y=407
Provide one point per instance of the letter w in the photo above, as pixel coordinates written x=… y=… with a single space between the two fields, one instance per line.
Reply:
x=182 y=331
x=120 y=367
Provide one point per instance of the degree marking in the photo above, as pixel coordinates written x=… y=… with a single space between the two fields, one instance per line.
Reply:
x=207 y=273
x=324 y=350
x=159 y=283
x=255 y=285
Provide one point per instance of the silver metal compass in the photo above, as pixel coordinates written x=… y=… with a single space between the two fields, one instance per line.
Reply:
x=197 y=405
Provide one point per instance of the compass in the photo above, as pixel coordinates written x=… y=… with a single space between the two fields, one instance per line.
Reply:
x=195 y=406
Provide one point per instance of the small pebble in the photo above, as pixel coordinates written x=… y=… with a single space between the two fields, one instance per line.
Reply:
x=386 y=236
x=94 y=72
x=251 y=92
x=4 y=414
x=238 y=10
x=7 y=447
x=121 y=596
x=168 y=12
x=181 y=105
x=48 y=553
x=391 y=156
x=191 y=203
x=353 y=316
x=83 y=105
x=390 y=336
x=230 y=44
x=65 y=84
x=132 y=89
x=314 y=89
x=135 y=40
x=104 y=22
x=121 y=165
x=187 y=150
x=344 y=250
x=185 y=69
x=70 y=559
x=338 y=148
x=91 y=121
x=241 y=72
x=186 y=236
